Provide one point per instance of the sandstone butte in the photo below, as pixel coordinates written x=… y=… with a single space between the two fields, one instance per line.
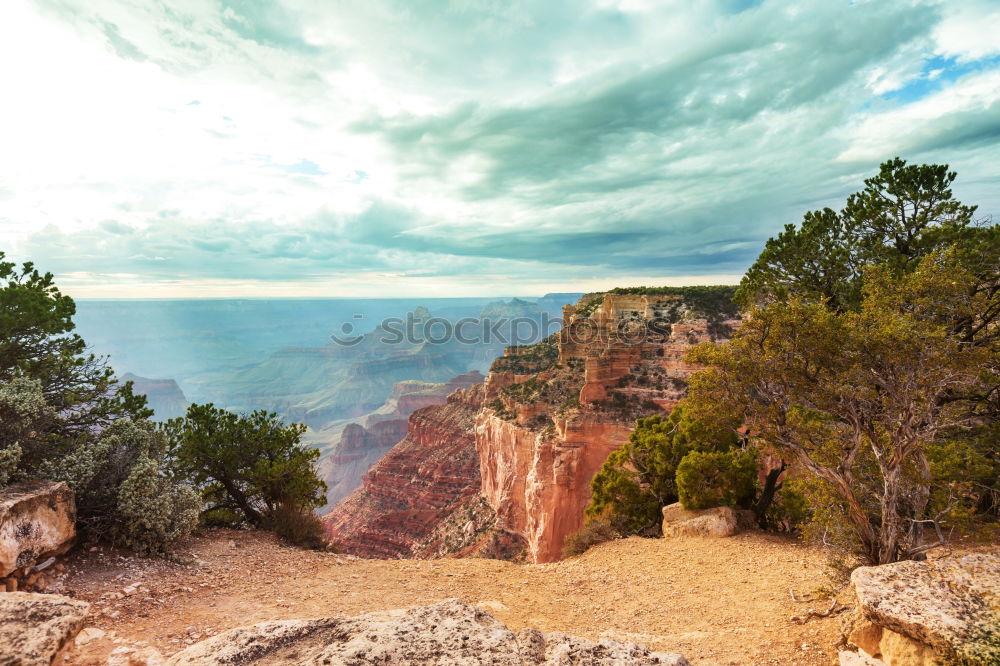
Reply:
x=504 y=469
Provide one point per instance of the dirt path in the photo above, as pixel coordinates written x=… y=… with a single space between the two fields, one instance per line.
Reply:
x=718 y=601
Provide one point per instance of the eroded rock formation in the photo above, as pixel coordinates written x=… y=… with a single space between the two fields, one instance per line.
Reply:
x=360 y=444
x=417 y=486
x=555 y=411
x=35 y=629
x=932 y=612
x=449 y=632
x=36 y=522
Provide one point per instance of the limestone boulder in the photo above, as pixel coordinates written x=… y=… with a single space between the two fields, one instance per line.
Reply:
x=721 y=521
x=930 y=612
x=37 y=520
x=35 y=629
x=447 y=633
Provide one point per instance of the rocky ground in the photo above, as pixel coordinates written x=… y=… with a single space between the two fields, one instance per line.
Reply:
x=718 y=601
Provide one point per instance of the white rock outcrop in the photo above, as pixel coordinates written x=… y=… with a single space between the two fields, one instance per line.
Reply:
x=721 y=521
x=35 y=629
x=447 y=633
x=37 y=520
x=931 y=612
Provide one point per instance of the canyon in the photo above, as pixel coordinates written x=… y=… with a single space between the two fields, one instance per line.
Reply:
x=355 y=445
x=505 y=468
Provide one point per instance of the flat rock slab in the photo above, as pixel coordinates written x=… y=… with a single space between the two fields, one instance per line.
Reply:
x=35 y=628
x=449 y=633
x=951 y=604
x=721 y=521
x=37 y=520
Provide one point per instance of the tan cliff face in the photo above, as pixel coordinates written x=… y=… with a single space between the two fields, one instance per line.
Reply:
x=553 y=415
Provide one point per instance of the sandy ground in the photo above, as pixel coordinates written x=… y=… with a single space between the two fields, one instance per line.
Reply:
x=718 y=601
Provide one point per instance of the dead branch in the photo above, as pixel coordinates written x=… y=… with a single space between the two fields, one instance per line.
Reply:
x=802 y=619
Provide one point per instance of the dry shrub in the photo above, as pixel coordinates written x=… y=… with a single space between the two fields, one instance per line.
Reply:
x=593 y=532
x=297 y=525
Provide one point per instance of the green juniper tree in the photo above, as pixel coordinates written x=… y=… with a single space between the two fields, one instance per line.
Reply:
x=251 y=464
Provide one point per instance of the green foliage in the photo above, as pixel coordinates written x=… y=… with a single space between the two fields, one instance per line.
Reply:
x=251 y=463
x=64 y=417
x=639 y=479
x=500 y=410
x=588 y=308
x=595 y=531
x=22 y=412
x=903 y=214
x=712 y=301
x=125 y=490
x=79 y=389
x=707 y=479
x=965 y=470
x=222 y=517
x=791 y=508
x=296 y=525
x=857 y=397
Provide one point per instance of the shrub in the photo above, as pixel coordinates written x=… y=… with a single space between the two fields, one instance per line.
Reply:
x=593 y=532
x=297 y=525
x=706 y=479
x=221 y=517
x=125 y=491
x=37 y=343
x=22 y=407
x=640 y=478
x=790 y=509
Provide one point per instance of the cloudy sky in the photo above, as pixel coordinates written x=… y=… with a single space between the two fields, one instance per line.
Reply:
x=465 y=147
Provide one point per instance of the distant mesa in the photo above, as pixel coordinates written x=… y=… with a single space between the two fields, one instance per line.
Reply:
x=164 y=396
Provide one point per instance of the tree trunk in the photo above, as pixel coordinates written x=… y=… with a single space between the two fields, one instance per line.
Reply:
x=767 y=495
x=888 y=536
x=252 y=515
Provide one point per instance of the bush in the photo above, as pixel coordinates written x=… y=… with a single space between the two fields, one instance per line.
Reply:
x=297 y=525
x=639 y=478
x=707 y=479
x=221 y=517
x=790 y=510
x=125 y=491
x=593 y=532
x=22 y=408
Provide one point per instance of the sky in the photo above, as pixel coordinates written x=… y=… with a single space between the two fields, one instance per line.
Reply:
x=258 y=148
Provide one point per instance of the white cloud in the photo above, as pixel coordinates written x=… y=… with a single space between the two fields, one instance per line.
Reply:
x=519 y=143
x=970 y=30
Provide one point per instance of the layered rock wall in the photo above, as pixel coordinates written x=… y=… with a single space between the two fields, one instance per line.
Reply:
x=360 y=444
x=530 y=439
x=543 y=435
x=422 y=480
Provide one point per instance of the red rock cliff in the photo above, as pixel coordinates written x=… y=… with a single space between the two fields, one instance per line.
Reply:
x=417 y=486
x=358 y=445
x=555 y=411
